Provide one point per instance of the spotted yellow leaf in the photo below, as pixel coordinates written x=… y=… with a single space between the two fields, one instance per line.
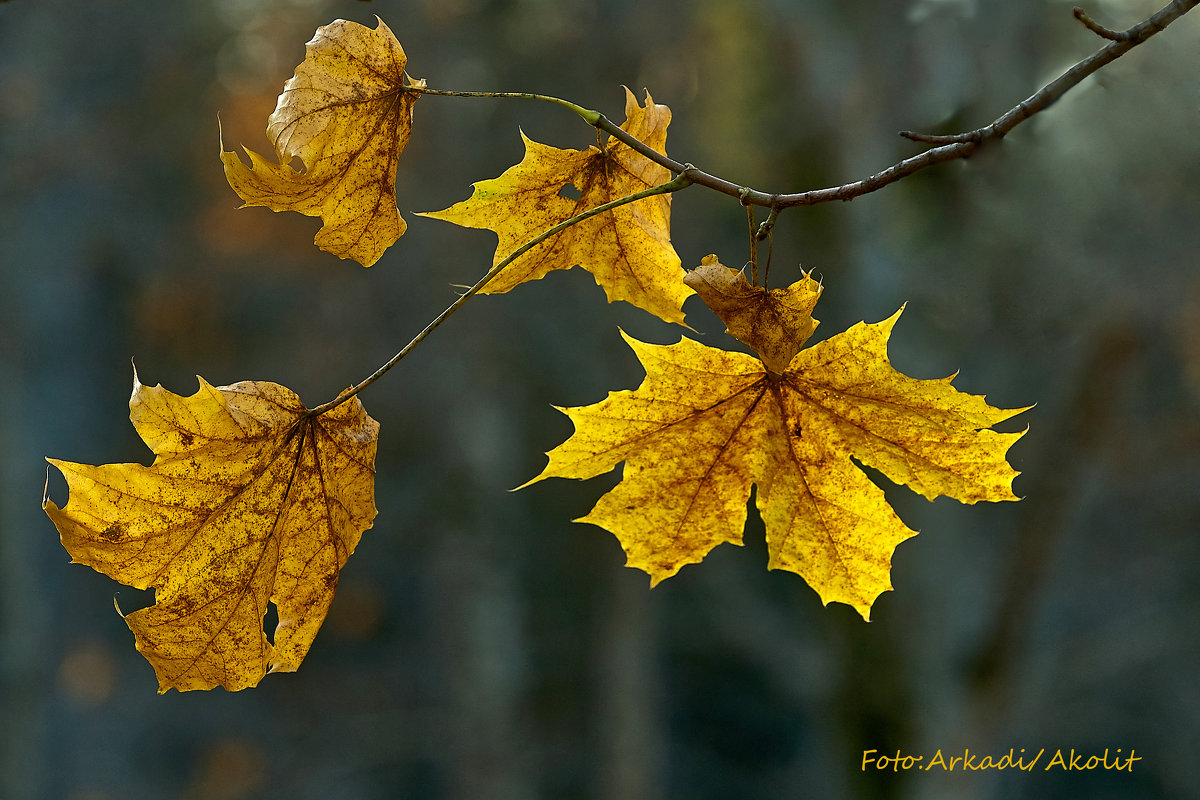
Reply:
x=627 y=249
x=707 y=424
x=347 y=116
x=249 y=501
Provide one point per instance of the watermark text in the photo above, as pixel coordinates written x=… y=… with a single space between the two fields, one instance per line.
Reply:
x=1019 y=759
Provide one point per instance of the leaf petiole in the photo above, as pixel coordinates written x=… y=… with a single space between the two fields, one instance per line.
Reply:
x=678 y=182
x=589 y=116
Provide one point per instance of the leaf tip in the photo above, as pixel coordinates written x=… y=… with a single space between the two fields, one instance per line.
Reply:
x=658 y=572
x=46 y=489
x=862 y=606
x=535 y=479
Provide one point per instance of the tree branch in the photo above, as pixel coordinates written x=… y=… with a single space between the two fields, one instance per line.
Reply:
x=946 y=148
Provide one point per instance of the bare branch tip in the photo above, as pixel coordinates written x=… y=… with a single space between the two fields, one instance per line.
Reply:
x=1097 y=28
x=914 y=136
x=940 y=139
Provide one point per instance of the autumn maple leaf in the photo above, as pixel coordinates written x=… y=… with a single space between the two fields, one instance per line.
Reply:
x=250 y=500
x=347 y=116
x=707 y=424
x=627 y=249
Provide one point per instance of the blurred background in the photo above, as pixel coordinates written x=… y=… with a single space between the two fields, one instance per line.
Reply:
x=483 y=646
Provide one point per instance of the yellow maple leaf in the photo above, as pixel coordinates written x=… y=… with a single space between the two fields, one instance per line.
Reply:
x=346 y=115
x=249 y=500
x=707 y=424
x=627 y=249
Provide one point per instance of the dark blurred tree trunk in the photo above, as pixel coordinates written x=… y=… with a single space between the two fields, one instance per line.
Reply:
x=481 y=644
x=628 y=701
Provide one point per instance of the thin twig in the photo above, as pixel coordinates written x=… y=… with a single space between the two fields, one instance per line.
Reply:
x=939 y=138
x=674 y=185
x=948 y=148
x=1097 y=28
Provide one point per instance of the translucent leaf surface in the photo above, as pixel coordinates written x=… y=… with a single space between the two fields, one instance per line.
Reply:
x=249 y=501
x=346 y=116
x=707 y=424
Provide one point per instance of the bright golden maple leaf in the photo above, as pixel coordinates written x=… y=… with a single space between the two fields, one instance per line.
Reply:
x=346 y=115
x=249 y=501
x=627 y=249
x=707 y=424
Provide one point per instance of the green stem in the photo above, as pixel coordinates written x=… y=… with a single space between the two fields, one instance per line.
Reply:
x=589 y=116
x=679 y=182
